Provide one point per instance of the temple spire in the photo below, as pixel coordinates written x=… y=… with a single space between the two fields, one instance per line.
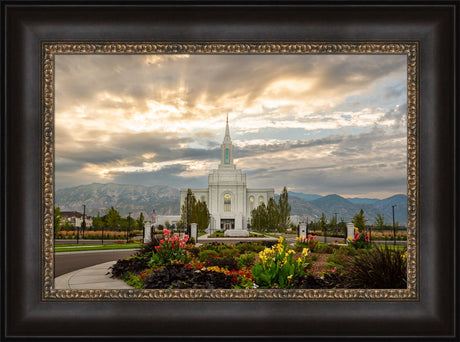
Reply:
x=227 y=150
x=227 y=139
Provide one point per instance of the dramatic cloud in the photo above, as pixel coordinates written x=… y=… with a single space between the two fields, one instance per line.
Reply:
x=315 y=123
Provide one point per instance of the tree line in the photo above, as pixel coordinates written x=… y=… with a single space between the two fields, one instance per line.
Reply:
x=112 y=220
x=273 y=217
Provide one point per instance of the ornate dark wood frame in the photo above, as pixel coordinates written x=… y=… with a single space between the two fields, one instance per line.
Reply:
x=51 y=49
x=29 y=307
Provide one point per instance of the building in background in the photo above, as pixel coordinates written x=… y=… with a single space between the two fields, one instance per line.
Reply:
x=230 y=202
x=75 y=218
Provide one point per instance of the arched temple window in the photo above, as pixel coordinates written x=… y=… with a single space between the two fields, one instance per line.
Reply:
x=227 y=202
x=251 y=203
x=261 y=200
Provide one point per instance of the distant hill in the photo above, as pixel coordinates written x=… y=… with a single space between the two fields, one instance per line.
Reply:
x=358 y=200
x=346 y=209
x=127 y=198
x=305 y=197
x=165 y=200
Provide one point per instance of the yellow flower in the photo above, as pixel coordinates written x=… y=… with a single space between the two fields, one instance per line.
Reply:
x=356 y=228
x=299 y=260
x=305 y=252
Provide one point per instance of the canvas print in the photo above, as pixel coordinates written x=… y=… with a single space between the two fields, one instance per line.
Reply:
x=230 y=171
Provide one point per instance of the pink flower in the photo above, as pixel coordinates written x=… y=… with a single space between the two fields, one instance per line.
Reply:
x=162 y=241
x=185 y=238
x=158 y=247
x=166 y=232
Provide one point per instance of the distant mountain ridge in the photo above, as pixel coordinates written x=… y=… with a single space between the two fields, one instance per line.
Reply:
x=165 y=200
x=127 y=198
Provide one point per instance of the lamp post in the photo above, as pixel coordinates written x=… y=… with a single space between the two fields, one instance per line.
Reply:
x=129 y=227
x=83 y=224
x=394 y=228
x=188 y=213
x=336 y=224
x=78 y=231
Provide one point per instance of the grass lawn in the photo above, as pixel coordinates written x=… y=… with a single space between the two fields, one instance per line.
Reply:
x=400 y=247
x=92 y=247
x=271 y=235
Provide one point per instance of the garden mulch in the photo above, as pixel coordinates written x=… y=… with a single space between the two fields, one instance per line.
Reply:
x=319 y=266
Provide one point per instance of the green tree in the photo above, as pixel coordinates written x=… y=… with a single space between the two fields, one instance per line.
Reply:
x=323 y=221
x=259 y=218
x=141 y=221
x=273 y=217
x=201 y=215
x=66 y=225
x=197 y=212
x=284 y=210
x=57 y=220
x=113 y=218
x=333 y=222
x=98 y=222
x=359 y=220
x=379 y=221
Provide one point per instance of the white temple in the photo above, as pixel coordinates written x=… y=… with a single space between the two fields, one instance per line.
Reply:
x=229 y=201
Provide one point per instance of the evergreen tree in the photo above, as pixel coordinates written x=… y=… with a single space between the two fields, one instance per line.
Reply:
x=323 y=221
x=141 y=221
x=359 y=220
x=57 y=220
x=379 y=221
x=259 y=218
x=113 y=218
x=284 y=210
x=197 y=212
x=272 y=219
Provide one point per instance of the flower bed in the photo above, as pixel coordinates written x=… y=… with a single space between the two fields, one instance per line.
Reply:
x=172 y=263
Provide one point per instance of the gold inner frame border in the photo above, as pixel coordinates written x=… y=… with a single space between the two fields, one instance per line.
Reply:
x=50 y=49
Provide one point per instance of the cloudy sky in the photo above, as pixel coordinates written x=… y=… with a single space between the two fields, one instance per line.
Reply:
x=315 y=123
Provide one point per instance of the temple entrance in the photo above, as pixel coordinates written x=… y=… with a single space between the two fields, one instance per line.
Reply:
x=227 y=224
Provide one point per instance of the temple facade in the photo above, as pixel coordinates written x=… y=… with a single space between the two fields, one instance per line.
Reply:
x=229 y=200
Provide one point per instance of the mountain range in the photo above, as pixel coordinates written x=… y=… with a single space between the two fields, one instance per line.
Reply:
x=165 y=200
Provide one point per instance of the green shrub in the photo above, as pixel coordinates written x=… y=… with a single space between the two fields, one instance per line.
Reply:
x=207 y=254
x=227 y=263
x=247 y=260
x=379 y=268
x=340 y=258
x=323 y=248
x=213 y=246
x=229 y=253
x=245 y=247
x=133 y=280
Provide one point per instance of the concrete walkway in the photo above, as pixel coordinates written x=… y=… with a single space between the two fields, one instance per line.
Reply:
x=94 y=278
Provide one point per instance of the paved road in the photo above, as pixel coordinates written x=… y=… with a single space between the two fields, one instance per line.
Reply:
x=66 y=262
x=85 y=241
